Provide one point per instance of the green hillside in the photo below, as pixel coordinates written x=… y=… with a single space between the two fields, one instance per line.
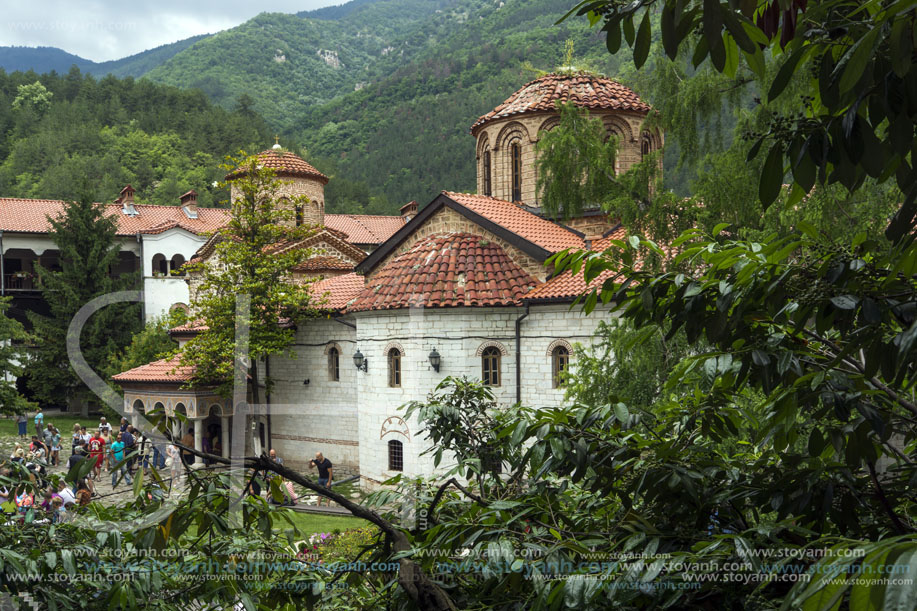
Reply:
x=68 y=135
x=286 y=63
x=379 y=94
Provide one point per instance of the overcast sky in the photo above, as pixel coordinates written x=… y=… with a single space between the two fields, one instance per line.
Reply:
x=101 y=30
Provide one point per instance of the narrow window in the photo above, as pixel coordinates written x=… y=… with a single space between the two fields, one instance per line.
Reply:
x=299 y=216
x=487 y=188
x=395 y=455
x=646 y=145
x=334 y=365
x=394 y=368
x=516 y=152
x=490 y=366
x=560 y=360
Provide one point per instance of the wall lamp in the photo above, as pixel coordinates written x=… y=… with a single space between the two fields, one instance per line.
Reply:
x=435 y=360
x=360 y=361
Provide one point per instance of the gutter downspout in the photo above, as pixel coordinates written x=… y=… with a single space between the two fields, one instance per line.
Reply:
x=519 y=355
x=142 y=281
x=2 y=271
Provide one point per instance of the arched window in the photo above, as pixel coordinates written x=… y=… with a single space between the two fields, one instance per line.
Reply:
x=299 y=216
x=646 y=145
x=334 y=364
x=395 y=455
x=560 y=360
x=138 y=407
x=488 y=190
x=490 y=366
x=516 y=155
x=176 y=265
x=160 y=265
x=394 y=368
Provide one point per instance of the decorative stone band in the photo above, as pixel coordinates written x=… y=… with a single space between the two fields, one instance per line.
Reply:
x=338 y=442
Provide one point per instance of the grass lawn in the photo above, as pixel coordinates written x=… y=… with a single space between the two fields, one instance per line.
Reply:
x=310 y=523
x=64 y=423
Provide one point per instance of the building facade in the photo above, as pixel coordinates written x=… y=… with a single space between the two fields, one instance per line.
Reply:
x=460 y=288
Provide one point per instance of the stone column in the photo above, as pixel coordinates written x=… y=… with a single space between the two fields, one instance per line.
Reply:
x=224 y=435
x=198 y=438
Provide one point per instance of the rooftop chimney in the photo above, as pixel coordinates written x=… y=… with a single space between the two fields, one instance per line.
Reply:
x=189 y=203
x=126 y=200
x=409 y=211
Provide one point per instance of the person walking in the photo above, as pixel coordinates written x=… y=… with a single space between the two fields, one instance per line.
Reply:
x=104 y=426
x=325 y=473
x=130 y=444
x=106 y=437
x=55 y=448
x=117 y=452
x=39 y=421
x=174 y=462
x=23 y=423
x=97 y=454
x=188 y=441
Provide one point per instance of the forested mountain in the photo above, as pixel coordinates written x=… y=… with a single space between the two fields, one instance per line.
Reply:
x=62 y=136
x=379 y=93
x=48 y=59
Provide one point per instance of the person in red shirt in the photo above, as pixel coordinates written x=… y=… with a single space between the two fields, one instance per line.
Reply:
x=97 y=452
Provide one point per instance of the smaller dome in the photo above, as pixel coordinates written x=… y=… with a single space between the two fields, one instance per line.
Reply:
x=285 y=164
x=582 y=88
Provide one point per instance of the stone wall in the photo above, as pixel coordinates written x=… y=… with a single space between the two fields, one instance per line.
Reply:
x=314 y=211
x=458 y=334
x=499 y=135
x=447 y=220
x=320 y=416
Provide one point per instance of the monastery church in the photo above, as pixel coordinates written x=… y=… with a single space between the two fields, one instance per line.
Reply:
x=457 y=287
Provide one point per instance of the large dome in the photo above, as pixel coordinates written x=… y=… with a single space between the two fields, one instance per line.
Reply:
x=285 y=163
x=583 y=89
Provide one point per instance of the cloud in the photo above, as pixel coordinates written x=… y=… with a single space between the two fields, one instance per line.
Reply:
x=101 y=30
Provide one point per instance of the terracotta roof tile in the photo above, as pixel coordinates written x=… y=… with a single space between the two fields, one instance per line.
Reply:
x=194 y=326
x=446 y=270
x=284 y=163
x=586 y=91
x=546 y=234
x=365 y=228
x=163 y=371
x=335 y=293
x=31 y=216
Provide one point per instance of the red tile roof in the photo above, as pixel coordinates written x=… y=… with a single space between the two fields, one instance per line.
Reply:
x=284 y=163
x=164 y=371
x=31 y=216
x=365 y=228
x=542 y=232
x=446 y=270
x=193 y=327
x=584 y=90
x=336 y=293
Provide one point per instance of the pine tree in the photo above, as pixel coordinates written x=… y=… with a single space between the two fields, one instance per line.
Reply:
x=12 y=356
x=85 y=238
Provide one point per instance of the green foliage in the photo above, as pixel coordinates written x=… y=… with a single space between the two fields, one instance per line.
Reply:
x=94 y=137
x=85 y=239
x=34 y=98
x=858 y=121
x=262 y=221
x=624 y=364
x=13 y=358
x=575 y=163
x=149 y=344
